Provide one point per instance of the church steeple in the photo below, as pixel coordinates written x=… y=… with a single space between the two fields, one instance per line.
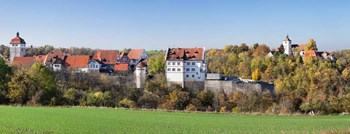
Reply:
x=287 y=44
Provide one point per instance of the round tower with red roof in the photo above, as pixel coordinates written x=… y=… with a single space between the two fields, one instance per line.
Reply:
x=17 y=48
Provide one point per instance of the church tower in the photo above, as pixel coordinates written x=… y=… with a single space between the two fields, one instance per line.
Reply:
x=287 y=45
x=17 y=48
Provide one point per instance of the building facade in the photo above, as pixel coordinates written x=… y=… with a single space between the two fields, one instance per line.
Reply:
x=185 y=65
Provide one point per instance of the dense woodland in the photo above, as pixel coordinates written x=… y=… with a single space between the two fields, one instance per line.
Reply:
x=302 y=84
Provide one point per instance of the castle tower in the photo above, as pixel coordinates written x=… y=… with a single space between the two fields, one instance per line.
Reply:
x=17 y=48
x=140 y=75
x=287 y=45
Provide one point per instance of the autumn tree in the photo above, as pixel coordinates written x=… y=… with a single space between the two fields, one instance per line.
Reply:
x=311 y=45
x=256 y=75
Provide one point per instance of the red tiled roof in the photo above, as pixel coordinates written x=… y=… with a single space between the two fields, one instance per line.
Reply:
x=50 y=57
x=77 y=61
x=39 y=58
x=135 y=54
x=106 y=56
x=121 y=67
x=23 y=61
x=301 y=47
x=17 y=40
x=310 y=53
x=185 y=54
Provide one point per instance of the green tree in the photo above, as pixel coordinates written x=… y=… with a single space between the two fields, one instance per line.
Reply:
x=156 y=63
x=5 y=77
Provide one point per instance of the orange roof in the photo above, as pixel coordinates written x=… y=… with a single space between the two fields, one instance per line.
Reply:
x=24 y=61
x=310 y=53
x=77 y=61
x=135 y=54
x=106 y=56
x=301 y=47
x=39 y=58
x=17 y=40
x=185 y=54
x=121 y=67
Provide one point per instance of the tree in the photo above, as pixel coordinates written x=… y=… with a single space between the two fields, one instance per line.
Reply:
x=256 y=75
x=311 y=45
x=149 y=100
x=206 y=98
x=156 y=63
x=37 y=85
x=5 y=72
x=179 y=99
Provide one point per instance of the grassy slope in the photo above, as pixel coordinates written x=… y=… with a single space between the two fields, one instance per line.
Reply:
x=96 y=120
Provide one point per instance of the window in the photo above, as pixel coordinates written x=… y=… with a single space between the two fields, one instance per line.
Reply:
x=96 y=66
x=193 y=76
x=173 y=63
x=199 y=77
x=179 y=69
x=173 y=69
x=193 y=69
x=186 y=75
x=168 y=62
x=178 y=63
x=169 y=69
x=188 y=63
x=193 y=63
x=187 y=69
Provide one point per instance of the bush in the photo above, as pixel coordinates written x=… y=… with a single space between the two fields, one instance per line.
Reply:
x=126 y=103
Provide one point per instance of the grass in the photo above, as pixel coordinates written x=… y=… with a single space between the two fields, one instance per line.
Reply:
x=105 y=120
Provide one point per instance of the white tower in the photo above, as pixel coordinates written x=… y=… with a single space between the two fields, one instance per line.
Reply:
x=140 y=74
x=17 y=48
x=287 y=45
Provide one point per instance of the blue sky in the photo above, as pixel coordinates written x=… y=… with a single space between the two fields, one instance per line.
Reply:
x=158 y=24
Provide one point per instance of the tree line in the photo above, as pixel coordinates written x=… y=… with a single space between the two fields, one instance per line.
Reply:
x=302 y=84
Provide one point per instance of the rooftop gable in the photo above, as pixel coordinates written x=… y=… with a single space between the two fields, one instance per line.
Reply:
x=185 y=54
x=106 y=56
x=77 y=61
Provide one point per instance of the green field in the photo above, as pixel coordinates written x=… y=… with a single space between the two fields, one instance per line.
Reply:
x=105 y=120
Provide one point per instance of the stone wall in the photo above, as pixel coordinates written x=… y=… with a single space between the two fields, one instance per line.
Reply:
x=232 y=86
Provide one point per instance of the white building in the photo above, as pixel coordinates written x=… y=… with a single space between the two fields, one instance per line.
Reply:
x=140 y=75
x=185 y=65
x=287 y=45
x=18 y=47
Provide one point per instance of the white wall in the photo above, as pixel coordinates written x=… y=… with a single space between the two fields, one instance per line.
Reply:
x=140 y=74
x=174 y=71
x=194 y=71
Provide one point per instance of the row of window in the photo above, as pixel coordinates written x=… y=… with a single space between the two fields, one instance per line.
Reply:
x=179 y=69
x=193 y=76
x=174 y=69
x=179 y=63
x=174 y=63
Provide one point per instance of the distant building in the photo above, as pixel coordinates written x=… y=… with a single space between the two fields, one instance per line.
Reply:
x=185 y=65
x=17 y=48
x=108 y=57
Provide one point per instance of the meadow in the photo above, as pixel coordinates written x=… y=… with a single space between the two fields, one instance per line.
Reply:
x=108 y=120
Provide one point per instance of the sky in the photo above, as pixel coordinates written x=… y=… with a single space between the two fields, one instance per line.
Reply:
x=159 y=24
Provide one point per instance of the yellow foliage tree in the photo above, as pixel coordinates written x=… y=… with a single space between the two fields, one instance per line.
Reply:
x=256 y=75
x=311 y=45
